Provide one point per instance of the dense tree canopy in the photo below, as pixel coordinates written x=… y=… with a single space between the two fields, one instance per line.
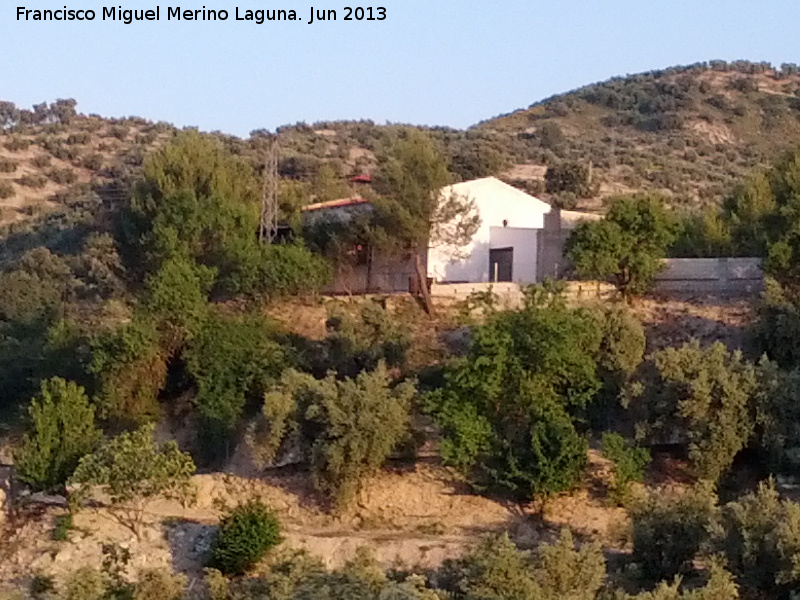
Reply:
x=410 y=211
x=571 y=177
x=412 y=171
x=506 y=410
x=199 y=203
x=233 y=359
x=626 y=247
x=346 y=428
x=195 y=199
x=700 y=397
x=763 y=214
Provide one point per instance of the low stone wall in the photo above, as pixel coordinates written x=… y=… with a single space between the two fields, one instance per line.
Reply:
x=510 y=294
x=460 y=291
x=715 y=276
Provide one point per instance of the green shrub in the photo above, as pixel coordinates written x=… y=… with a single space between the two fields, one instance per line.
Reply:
x=563 y=572
x=704 y=235
x=133 y=469
x=763 y=218
x=621 y=352
x=7 y=165
x=361 y=578
x=6 y=190
x=99 y=267
x=232 y=360
x=777 y=326
x=721 y=585
x=761 y=541
x=93 y=162
x=629 y=463
x=62 y=528
x=358 y=344
x=556 y=458
x=37 y=287
x=159 y=584
x=130 y=369
x=58 y=149
x=119 y=131
x=705 y=396
x=35 y=181
x=17 y=144
x=347 y=428
x=62 y=431
x=778 y=416
x=41 y=161
x=86 y=583
x=565 y=201
x=495 y=569
x=245 y=535
x=475 y=158
x=570 y=177
x=62 y=176
x=551 y=136
x=146 y=138
x=538 y=452
x=506 y=410
x=669 y=530
x=276 y=271
x=216 y=585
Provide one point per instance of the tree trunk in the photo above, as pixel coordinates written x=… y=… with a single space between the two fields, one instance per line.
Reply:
x=422 y=283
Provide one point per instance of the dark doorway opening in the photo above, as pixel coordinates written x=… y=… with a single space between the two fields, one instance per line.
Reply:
x=501 y=261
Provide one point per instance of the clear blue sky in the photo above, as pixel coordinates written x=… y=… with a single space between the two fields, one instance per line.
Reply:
x=451 y=62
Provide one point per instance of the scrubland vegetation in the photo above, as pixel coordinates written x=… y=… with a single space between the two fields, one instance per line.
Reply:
x=136 y=350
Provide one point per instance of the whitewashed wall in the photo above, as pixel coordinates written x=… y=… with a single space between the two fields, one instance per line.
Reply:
x=496 y=202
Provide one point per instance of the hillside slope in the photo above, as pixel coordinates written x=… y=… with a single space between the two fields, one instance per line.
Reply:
x=690 y=133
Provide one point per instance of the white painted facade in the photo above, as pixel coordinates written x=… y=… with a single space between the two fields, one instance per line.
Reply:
x=510 y=218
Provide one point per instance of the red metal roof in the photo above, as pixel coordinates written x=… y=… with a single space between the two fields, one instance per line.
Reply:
x=363 y=178
x=335 y=204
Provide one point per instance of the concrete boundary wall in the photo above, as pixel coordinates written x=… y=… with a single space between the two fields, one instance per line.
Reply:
x=723 y=276
x=681 y=276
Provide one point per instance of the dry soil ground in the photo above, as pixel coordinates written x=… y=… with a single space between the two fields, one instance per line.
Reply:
x=415 y=516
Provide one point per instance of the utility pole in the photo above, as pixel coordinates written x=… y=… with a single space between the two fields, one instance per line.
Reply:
x=269 y=193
